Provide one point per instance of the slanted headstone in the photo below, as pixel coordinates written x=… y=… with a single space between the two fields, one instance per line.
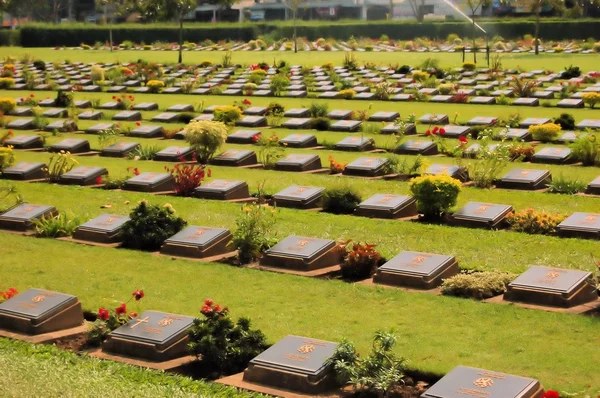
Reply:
x=73 y=145
x=367 y=167
x=569 y=137
x=294 y=363
x=518 y=134
x=90 y=115
x=55 y=113
x=481 y=215
x=181 y=108
x=527 y=179
x=129 y=116
x=252 y=121
x=302 y=254
x=392 y=128
x=255 y=111
x=453 y=171
x=441 y=98
x=454 y=131
x=25 y=171
x=301 y=197
x=20 y=124
x=579 y=224
x=100 y=127
x=166 y=117
x=464 y=381
x=413 y=147
x=243 y=137
x=526 y=102
x=83 y=175
x=417 y=270
x=297 y=112
x=235 y=158
x=25 y=142
x=482 y=121
x=147 y=131
x=119 y=149
x=340 y=114
x=154 y=336
x=434 y=119
x=21 y=111
x=593 y=188
x=570 y=103
x=589 y=124
x=554 y=287
x=151 y=182
x=295 y=162
x=483 y=100
x=37 y=311
x=387 y=206
x=534 y=121
x=552 y=156
x=198 y=242
x=384 y=116
x=21 y=217
x=222 y=190
x=296 y=123
x=300 y=141
x=346 y=125
x=102 y=229
x=356 y=144
x=172 y=90
x=61 y=126
x=112 y=105
x=145 y=106
x=174 y=154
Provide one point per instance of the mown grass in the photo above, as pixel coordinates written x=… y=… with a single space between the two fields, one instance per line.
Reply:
x=45 y=371
x=436 y=333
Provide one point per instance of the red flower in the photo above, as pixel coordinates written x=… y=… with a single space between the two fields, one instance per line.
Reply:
x=103 y=314
x=133 y=314
x=209 y=173
x=114 y=97
x=247 y=102
x=138 y=124
x=136 y=172
x=435 y=130
x=255 y=138
x=122 y=309
x=209 y=302
x=32 y=96
x=138 y=294
x=98 y=180
x=10 y=133
x=118 y=99
x=428 y=132
x=463 y=140
x=206 y=310
x=442 y=131
x=10 y=293
x=218 y=308
x=551 y=394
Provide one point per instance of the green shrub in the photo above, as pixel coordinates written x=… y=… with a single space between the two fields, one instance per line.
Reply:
x=279 y=84
x=253 y=233
x=320 y=123
x=446 y=89
x=221 y=345
x=545 y=132
x=7 y=104
x=533 y=222
x=347 y=94
x=149 y=226
x=566 y=121
x=228 y=115
x=571 y=72
x=563 y=185
x=144 y=152
x=435 y=194
x=419 y=76
x=340 y=200
x=469 y=66
x=318 y=109
x=586 y=150
x=205 y=138
x=56 y=226
x=6 y=82
x=477 y=285
x=591 y=99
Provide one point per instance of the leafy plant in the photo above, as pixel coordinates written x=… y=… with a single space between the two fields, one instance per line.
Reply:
x=545 y=132
x=7 y=157
x=359 y=259
x=187 y=177
x=320 y=123
x=523 y=88
x=59 y=164
x=155 y=86
x=336 y=167
x=9 y=197
x=533 y=222
x=7 y=105
x=350 y=61
x=144 y=152
x=108 y=137
x=435 y=194
x=564 y=185
x=56 y=226
x=347 y=94
x=279 y=84
x=566 y=121
x=469 y=66
x=149 y=226
x=8 y=294
x=317 y=110
x=221 y=345
x=205 y=138
x=340 y=200
x=270 y=150
x=571 y=72
x=477 y=285
x=586 y=150
x=109 y=320
x=228 y=115
x=253 y=233
x=379 y=373
x=591 y=99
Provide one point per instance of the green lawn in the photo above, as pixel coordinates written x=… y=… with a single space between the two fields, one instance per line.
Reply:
x=45 y=371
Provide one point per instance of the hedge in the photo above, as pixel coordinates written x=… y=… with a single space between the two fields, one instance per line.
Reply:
x=38 y=35
x=10 y=38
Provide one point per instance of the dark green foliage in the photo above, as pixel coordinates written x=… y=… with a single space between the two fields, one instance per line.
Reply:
x=477 y=285
x=149 y=226
x=63 y=100
x=571 y=72
x=340 y=200
x=563 y=185
x=404 y=69
x=186 y=117
x=320 y=123
x=566 y=121
x=223 y=346
x=39 y=64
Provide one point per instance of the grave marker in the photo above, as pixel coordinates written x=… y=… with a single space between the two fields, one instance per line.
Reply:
x=356 y=144
x=301 y=197
x=296 y=123
x=166 y=117
x=25 y=171
x=198 y=242
x=453 y=171
x=593 y=187
x=367 y=167
x=174 y=154
x=527 y=179
x=83 y=175
x=552 y=156
x=481 y=215
x=387 y=206
x=21 y=217
x=346 y=125
x=151 y=182
x=25 y=142
x=434 y=119
x=417 y=270
x=235 y=158
x=579 y=224
x=300 y=163
x=129 y=116
x=413 y=147
x=102 y=229
x=222 y=190
x=73 y=145
x=147 y=132
x=300 y=141
x=384 y=116
x=243 y=137
x=119 y=149
x=302 y=254
x=252 y=121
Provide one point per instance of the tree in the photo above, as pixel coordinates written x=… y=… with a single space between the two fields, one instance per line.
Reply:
x=474 y=6
x=293 y=6
x=110 y=8
x=417 y=7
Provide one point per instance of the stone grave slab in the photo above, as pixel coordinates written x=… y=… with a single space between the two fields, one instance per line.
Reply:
x=25 y=171
x=555 y=287
x=302 y=254
x=132 y=83
x=367 y=167
x=296 y=123
x=119 y=149
x=387 y=206
x=526 y=179
x=181 y=108
x=21 y=217
x=364 y=96
x=409 y=129
x=151 y=182
x=482 y=121
x=201 y=91
x=455 y=131
x=25 y=142
x=355 y=144
x=579 y=224
x=154 y=336
x=100 y=127
x=83 y=175
x=61 y=126
x=481 y=215
x=299 y=141
x=92 y=88
x=483 y=100
x=340 y=114
x=534 y=121
x=235 y=158
x=346 y=125
x=543 y=94
x=255 y=111
x=166 y=117
x=145 y=106
x=453 y=171
x=174 y=154
x=147 y=132
x=434 y=119
x=128 y=116
x=222 y=190
x=552 y=156
x=297 y=196
x=402 y=97
x=526 y=102
x=266 y=93
x=569 y=137
x=21 y=111
x=414 y=147
x=464 y=381
x=90 y=115
x=570 y=103
x=47 y=102
x=206 y=116
x=20 y=124
x=37 y=311
x=516 y=134
x=441 y=98
x=297 y=112
x=416 y=270
x=232 y=91
x=300 y=94
x=593 y=187
x=172 y=90
x=112 y=105
x=252 y=121
x=102 y=229
x=589 y=124
x=55 y=112
x=198 y=242
x=294 y=363
x=384 y=116
x=73 y=145
x=243 y=137
x=300 y=163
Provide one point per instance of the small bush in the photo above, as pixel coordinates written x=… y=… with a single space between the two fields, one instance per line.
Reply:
x=144 y=152
x=56 y=226
x=477 y=285
x=320 y=123
x=435 y=194
x=340 y=200
x=586 y=150
x=318 y=109
x=446 y=89
x=533 y=222
x=149 y=226
x=227 y=114
x=563 y=185
x=59 y=164
x=7 y=105
x=7 y=156
x=571 y=72
x=252 y=235
x=205 y=138
x=420 y=76
x=359 y=260
x=347 y=94
x=187 y=176
x=591 y=99
x=566 y=121
x=6 y=82
x=469 y=66
x=279 y=84
x=545 y=132
x=155 y=85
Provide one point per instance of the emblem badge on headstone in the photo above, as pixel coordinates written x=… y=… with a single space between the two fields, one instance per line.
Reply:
x=306 y=349
x=483 y=382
